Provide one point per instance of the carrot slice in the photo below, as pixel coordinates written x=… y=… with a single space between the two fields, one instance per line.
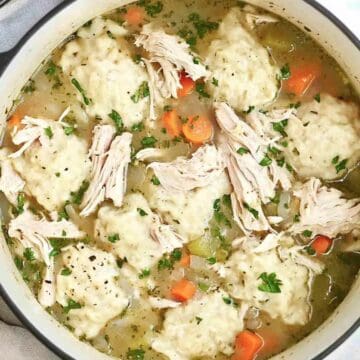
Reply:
x=198 y=129
x=183 y=290
x=321 y=244
x=172 y=123
x=187 y=83
x=301 y=78
x=134 y=16
x=185 y=259
x=247 y=344
x=15 y=120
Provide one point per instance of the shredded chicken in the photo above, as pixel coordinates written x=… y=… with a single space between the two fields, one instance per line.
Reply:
x=182 y=174
x=110 y=158
x=253 y=183
x=168 y=56
x=31 y=231
x=259 y=19
x=159 y=303
x=325 y=211
x=10 y=182
x=165 y=235
x=34 y=129
x=149 y=154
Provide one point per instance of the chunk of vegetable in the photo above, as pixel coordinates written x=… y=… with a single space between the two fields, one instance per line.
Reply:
x=247 y=344
x=134 y=16
x=172 y=123
x=183 y=290
x=321 y=244
x=204 y=247
x=301 y=78
x=198 y=129
x=188 y=85
x=185 y=259
x=15 y=120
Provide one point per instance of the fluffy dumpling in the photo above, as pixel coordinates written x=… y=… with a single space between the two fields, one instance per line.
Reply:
x=323 y=138
x=134 y=232
x=189 y=211
x=88 y=278
x=203 y=327
x=101 y=63
x=245 y=267
x=54 y=168
x=246 y=77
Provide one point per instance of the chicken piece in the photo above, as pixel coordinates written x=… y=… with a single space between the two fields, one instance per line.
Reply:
x=30 y=230
x=110 y=158
x=254 y=181
x=253 y=18
x=205 y=165
x=159 y=303
x=325 y=211
x=10 y=182
x=168 y=56
x=149 y=153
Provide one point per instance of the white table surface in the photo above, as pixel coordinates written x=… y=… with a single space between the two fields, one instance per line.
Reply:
x=349 y=12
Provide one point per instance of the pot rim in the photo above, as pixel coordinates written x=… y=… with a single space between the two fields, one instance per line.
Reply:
x=10 y=54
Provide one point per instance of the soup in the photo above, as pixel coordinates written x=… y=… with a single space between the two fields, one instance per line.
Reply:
x=180 y=180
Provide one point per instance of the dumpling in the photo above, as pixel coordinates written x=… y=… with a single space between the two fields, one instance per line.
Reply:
x=99 y=60
x=189 y=211
x=53 y=167
x=246 y=76
x=203 y=327
x=324 y=138
x=87 y=287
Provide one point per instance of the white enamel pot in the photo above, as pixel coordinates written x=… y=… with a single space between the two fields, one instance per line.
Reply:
x=17 y=65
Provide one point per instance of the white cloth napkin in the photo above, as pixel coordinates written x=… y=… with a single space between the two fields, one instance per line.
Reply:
x=15 y=19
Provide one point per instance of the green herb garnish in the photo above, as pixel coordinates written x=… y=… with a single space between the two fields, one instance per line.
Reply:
x=66 y=272
x=270 y=283
x=29 y=254
x=142 y=212
x=114 y=238
x=81 y=91
x=117 y=119
x=254 y=212
x=307 y=233
x=142 y=92
x=76 y=197
x=200 y=89
x=48 y=132
x=135 y=354
x=285 y=72
x=317 y=98
x=72 y=304
x=242 y=151
x=266 y=161
x=155 y=180
x=280 y=126
x=148 y=141
x=144 y=273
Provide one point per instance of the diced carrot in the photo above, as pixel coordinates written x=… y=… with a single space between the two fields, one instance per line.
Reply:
x=187 y=83
x=134 y=15
x=198 y=129
x=15 y=120
x=172 y=123
x=321 y=244
x=247 y=345
x=185 y=259
x=301 y=78
x=183 y=290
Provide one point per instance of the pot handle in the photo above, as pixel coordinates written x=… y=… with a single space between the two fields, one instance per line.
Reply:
x=17 y=18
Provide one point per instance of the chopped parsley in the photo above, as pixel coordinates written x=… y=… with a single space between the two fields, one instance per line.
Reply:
x=48 y=132
x=52 y=73
x=144 y=273
x=200 y=89
x=142 y=92
x=270 y=283
x=20 y=200
x=165 y=263
x=307 y=233
x=339 y=165
x=215 y=81
x=114 y=238
x=296 y=218
x=137 y=59
x=142 y=212
x=29 y=87
x=155 y=180
x=72 y=304
x=285 y=72
x=198 y=320
x=62 y=214
x=81 y=91
x=254 y=212
x=66 y=272
x=226 y=199
x=219 y=215
x=29 y=254
x=151 y=8
x=266 y=161
x=211 y=260
x=76 y=197
x=117 y=119
x=295 y=105
x=138 y=127
x=148 y=141
x=57 y=244
x=317 y=98
x=202 y=26
x=68 y=130
x=280 y=126
x=335 y=160
x=176 y=255
x=110 y=35
x=242 y=151
x=135 y=354
x=249 y=110
x=228 y=300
